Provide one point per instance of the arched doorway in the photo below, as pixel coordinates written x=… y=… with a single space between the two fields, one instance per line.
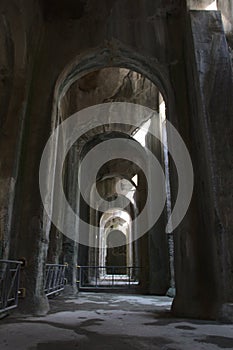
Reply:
x=118 y=174
x=153 y=264
x=116 y=258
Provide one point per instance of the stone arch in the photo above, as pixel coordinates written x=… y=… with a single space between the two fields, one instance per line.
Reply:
x=116 y=256
x=103 y=58
x=118 y=56
x=105 y=230
x=112 y=54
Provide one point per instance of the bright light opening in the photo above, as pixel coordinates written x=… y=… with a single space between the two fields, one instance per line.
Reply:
x=141 y=134
x=212 y=6
x=135 y=179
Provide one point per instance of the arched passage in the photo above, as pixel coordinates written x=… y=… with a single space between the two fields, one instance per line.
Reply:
x=192 y=219
x=120 y=85
x=116 y=253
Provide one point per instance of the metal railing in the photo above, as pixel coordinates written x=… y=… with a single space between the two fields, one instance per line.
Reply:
x=108 y=277
x=9 y=284
x=54 y=278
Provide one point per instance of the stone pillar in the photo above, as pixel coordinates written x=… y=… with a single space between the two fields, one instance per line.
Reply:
x=203 y=260
x=157 y=238
x=142 y=242
x=70 y=256
x=16 y=62
x=20 y=35
x=55 y=254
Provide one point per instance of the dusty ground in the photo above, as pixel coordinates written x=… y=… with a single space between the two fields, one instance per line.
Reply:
x=110 y=321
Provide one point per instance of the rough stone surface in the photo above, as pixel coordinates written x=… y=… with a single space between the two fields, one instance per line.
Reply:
x=215 y=75
x=45 y=49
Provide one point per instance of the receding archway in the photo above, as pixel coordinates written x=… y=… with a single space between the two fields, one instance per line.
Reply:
x=164 y=265
x=116 y=258
x=133 y=87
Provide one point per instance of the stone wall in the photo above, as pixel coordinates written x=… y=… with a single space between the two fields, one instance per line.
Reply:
x=45 y=48
x=20 y=28
x=210 y=72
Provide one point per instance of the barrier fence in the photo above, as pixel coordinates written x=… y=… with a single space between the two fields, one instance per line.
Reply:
x=9 y=284
x=54 y=278
x=108 y=277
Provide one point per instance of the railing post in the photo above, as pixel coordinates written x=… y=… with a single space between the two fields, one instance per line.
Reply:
x=79 y=276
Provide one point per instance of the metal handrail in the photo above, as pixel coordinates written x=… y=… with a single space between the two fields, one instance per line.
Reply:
x=9 y=284
x=108 y=277
x=54 y=278
x=106 y=266
x=11 y=261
